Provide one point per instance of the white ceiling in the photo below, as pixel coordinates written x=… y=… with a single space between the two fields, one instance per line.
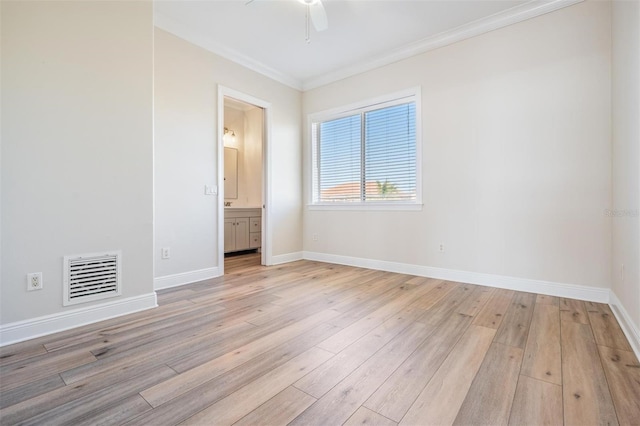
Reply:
x=269 y=35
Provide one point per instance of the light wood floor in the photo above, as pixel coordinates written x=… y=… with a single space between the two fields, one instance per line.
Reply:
x=315 y=343
x=234 y=263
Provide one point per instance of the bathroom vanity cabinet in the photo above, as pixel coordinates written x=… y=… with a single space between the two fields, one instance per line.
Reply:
x=242 y=229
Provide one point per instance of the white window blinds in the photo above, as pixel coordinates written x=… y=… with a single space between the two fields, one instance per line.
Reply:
x=340 y=154
x=366 y=156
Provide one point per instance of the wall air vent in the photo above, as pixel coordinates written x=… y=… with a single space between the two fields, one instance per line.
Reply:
x=91 y=277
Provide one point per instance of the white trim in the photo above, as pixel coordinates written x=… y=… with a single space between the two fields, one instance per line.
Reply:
x=286 y=258
x=183 y=278
x=220 y=179
x=398 y=205
x=267 y=193
x=503 y=19
x=29 y=329
x=182 y=31
x=573 y=291
x=381 y=101
x=267 y=231
x=626 y=323
x=405 y=96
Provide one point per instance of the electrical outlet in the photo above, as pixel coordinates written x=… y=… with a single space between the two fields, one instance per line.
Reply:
x=314 y=237
x=166 y=252
x=441 y=248
x=34 y=281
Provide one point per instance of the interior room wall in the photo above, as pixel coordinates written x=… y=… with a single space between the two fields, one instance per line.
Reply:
x=77 y=147
x=0 y=154
x=185 y=102
x=516 y=155
x=253 y=137
x=234 y=120
x=626 y=159
x=248 y=127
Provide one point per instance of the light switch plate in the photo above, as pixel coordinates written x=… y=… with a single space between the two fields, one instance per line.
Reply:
x=211 y=190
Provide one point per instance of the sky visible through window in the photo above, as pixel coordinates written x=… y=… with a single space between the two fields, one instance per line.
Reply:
x=389 y=155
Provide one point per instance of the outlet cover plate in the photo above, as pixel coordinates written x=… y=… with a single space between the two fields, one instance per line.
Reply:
x=34 y=281
x=166 y=253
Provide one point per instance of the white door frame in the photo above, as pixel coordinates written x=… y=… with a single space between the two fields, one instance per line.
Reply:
x=266 y=172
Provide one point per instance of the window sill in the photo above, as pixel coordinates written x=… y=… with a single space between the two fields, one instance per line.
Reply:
x=367 y=206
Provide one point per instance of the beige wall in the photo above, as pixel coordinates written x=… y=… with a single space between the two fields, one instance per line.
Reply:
x=76 y=145
x=185 y=128
x=248 y=128
x=626 y=156
x=253 y=138
x=234 y=120
x=516 y=155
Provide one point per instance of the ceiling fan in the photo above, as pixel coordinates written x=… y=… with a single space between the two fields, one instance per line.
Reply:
x=315 y=12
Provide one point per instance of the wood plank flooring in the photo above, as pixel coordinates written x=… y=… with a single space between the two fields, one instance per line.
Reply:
x=310 y=343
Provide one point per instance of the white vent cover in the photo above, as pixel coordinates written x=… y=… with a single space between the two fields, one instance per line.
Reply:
x=90 y=277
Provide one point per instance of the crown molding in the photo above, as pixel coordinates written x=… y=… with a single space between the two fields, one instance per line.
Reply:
x=179 y=30
x=499 y=20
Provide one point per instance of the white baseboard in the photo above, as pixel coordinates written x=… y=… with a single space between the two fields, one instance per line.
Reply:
x=629 y=328
x=592 y=294
x=286 y=258
x=183 y=278
x=28 y=329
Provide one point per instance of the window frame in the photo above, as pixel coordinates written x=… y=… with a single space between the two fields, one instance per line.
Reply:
x=389 y=100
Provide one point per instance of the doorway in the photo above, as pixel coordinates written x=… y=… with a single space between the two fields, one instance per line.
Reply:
x=243 y=204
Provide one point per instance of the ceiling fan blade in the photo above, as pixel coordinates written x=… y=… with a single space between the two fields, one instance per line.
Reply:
x=318 y=16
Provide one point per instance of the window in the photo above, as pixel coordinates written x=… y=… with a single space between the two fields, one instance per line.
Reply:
x=367 y=155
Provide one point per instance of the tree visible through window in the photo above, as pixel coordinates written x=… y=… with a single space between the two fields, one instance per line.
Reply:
x=367 y=156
